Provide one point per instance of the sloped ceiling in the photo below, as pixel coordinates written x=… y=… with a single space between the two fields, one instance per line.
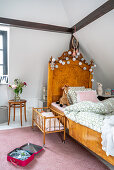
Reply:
x=76 y=10
x=96 y=39
x=42 y=11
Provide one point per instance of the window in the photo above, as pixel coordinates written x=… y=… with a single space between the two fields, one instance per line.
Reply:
x=3 y=57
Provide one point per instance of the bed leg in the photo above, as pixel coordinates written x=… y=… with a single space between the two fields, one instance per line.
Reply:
x=32 y=117
x=64 y=129
x=44 y=139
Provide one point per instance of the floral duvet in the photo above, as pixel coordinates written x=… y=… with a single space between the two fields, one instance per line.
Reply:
x=90 y=114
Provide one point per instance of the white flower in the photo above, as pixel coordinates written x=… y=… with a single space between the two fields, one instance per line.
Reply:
x=84 y=68
x=82 y=59
x=56 y=66
x=92 y=80
x=94 y=65
x=67 y=58
x=80 y=63
x=53 y=59
x=63 y=63
x=69 y=52
x=90 y=70
x=74 y=59
x=14 y=86
x=68 y=62
x=60 y=61
x=76 y=56
x=78 y=53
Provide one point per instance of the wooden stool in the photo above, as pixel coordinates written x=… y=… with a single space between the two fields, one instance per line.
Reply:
x=17 y=104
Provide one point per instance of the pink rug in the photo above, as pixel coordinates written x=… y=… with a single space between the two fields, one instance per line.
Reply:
x=56 y=156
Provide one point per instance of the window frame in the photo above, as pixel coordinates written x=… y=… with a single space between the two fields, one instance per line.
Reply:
x=5 y=58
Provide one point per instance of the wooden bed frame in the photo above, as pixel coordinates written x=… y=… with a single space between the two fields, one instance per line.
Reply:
x=73 y=74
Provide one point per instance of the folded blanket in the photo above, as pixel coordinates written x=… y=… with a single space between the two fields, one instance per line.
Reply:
x=108 y=136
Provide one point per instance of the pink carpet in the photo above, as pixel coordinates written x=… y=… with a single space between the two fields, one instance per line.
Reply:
x=56 y=156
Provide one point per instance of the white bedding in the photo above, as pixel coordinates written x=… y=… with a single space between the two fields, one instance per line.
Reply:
x=49 y=126
x=89 y=119
x=58 y=106
x=108 y=136
x=102 y=123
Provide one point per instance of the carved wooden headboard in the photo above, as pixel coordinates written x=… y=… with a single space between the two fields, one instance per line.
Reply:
x=72 y=74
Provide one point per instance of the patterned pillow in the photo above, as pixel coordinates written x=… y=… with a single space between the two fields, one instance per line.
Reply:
x=71 y=94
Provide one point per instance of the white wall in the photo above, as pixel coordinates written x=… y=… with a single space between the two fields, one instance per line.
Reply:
x=30 y=50
x=97 y=42
x=96 y=39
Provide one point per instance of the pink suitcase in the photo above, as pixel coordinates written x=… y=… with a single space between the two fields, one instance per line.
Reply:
x=23 y=155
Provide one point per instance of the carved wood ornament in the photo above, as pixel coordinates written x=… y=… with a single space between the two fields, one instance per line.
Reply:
x=67 y=70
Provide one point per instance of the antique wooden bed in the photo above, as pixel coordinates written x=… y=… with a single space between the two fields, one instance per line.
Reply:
x=73 y=74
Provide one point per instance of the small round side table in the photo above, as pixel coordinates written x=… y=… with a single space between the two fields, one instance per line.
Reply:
x=17 y=104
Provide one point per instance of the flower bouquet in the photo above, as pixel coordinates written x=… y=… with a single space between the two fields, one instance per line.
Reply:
x=18 y=88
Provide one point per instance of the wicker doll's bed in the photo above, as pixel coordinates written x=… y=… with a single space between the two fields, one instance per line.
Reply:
x=73 y=74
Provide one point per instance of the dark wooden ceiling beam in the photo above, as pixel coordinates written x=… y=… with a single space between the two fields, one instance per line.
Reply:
x=103 y=9
x=34 y=25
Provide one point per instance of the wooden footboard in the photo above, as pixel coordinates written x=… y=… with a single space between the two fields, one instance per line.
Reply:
x=89 y=138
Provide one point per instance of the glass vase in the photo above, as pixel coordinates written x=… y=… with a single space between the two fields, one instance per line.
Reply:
x=17 y=97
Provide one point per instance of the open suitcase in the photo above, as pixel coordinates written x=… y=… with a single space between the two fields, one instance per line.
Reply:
x=23 y=155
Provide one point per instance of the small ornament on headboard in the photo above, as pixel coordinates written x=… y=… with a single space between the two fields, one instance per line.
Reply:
x=52 y=63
